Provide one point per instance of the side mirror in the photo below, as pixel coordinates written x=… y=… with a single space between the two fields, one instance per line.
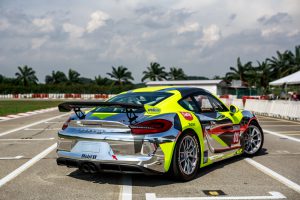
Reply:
x=233 y=109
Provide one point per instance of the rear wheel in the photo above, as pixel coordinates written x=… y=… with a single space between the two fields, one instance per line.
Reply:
x=253 y=140
x=186 y=158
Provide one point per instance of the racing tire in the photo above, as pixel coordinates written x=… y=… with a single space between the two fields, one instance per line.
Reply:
x=186 y=157
x=253 y=140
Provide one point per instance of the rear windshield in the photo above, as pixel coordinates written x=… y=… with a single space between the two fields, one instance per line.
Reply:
x=149 y=98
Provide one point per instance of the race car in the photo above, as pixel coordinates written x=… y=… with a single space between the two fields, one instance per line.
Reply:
x=175 y=130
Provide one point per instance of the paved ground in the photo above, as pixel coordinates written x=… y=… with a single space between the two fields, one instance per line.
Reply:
x=238 y=178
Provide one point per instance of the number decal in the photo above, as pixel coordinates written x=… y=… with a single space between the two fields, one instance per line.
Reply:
x=236 y=137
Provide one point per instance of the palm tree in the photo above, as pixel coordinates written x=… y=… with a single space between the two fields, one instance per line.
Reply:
x=102 y=81
x=176 y=74
x=239 y=73
x=26 y=76
x=155 y=72
x=263 y=75
x=73 y=76
x=295 y=59
x=56 y=78
x=281 y=65
x=121 y=74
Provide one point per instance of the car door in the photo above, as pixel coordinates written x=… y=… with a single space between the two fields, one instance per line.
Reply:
x=221 y=135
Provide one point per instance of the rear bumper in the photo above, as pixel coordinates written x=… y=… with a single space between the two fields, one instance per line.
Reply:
x=96 y=166
x=114 y=151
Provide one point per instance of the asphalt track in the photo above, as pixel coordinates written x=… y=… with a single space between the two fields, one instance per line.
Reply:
x=28 y=169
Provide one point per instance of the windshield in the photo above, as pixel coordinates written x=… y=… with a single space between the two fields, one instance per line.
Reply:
x=141 y=98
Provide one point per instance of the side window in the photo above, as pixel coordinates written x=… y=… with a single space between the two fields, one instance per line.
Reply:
x=218 y=106
x=204 y=103
x=188 y=104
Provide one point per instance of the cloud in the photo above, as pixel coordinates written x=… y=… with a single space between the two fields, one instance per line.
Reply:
x=44 y=24
x=38 y=42
x=74 y=30
x=97 y=20
x=211 y=35
x=160 y=18
x=232 y=17
x=189 y=27
x=190 y=34
x=151 y=57
x=275 y=19
x=4 y=24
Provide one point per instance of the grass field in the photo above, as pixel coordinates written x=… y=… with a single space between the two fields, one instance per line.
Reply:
x=8 y=107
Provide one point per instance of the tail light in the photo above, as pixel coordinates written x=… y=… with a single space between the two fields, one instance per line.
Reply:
x=151 y=126
x=66 y=124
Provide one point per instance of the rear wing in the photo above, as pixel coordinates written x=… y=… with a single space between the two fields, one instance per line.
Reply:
x=77 y=105
x=73 y=105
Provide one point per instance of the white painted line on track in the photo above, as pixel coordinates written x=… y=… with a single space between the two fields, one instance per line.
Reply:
x=11 y=158
x=26 y=139
x=26 y=165
x=293 y=134
x=42 y=129
x=278 y=125
x=126 y=189
x=20 y=115
x=281 y=135
x=288 y=131
x=32 y=124
x=52 y=122
x=294 y=186
x=284 y=120
x=273 y=195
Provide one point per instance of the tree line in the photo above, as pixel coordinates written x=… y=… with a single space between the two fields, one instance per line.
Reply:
x=120 y=78
x=260 y=74
x=120 y=75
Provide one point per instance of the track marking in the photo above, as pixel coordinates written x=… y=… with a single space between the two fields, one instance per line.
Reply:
x=288 y=131
x=267 y=121
x=294 y=186
x=42 y=129
x=126 y=189
x=27 y=139
x=281 y=125
x=281 y=135
x=30 y=113
x=274 y=195
x=11 y=158
x=52 y=122
x=294 y=122
x=26 y=165
x=33 y=124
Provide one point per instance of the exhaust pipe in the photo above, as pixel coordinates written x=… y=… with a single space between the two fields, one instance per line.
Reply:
x=85 y=168
x=93 y=168
x=89 y=168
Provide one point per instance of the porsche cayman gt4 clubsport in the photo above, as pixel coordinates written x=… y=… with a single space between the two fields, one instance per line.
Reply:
x=156 y=130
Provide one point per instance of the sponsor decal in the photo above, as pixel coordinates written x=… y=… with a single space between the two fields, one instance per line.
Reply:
x=152 y=110
x=88 y=156
x=92 y=131
x=191 y=124
x=114 y=157
x=188 y=116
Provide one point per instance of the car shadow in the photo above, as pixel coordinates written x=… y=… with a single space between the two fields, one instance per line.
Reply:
x=153 y=180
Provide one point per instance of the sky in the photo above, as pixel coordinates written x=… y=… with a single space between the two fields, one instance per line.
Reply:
x=204 y=37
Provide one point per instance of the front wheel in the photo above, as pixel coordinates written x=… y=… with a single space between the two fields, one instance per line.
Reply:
x=253 y=140
x=186 y=158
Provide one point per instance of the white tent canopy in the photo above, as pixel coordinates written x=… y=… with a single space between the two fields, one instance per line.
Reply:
x=292 y=79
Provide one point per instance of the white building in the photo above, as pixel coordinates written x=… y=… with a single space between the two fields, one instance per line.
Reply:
x=213 y=86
